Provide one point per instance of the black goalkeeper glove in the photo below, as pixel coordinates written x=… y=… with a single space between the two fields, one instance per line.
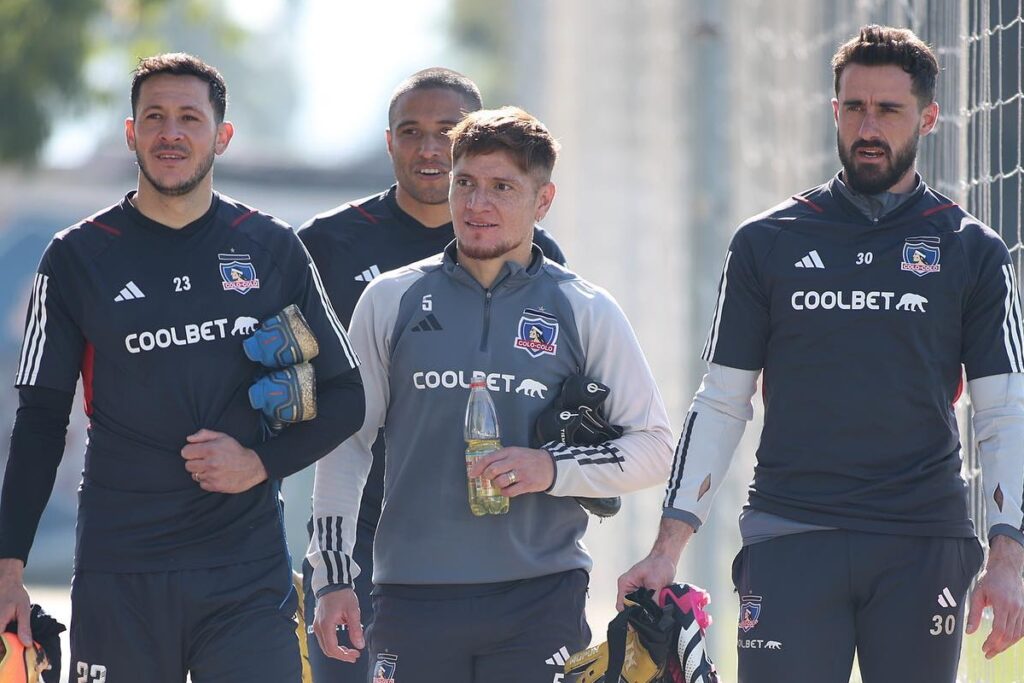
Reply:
x=41 y=662
x=575 y=419
x=652 y=641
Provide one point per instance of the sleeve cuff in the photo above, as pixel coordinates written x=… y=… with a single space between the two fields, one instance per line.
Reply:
x=1006 y=530
x=683 y=516
x=332 y=588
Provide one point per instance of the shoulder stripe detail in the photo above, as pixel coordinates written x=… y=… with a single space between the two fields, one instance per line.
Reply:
x=712 y=341
x=332 y=317
x=369 y=216
x=807 y=202
x=35 y=332
x=936 y=209
x=1012 y=331
x=337 y=564
x=244 y=217
x=679 y=461
x=106 y=228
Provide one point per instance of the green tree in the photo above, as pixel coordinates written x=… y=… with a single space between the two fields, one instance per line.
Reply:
x=46 y=47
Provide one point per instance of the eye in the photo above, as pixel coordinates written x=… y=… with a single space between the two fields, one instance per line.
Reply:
x=462 y=182
x=410 y=132
x=855 y=107
x=154 y=116
x=503 y=187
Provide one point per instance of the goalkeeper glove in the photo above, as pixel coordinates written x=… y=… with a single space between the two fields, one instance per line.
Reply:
x=575 y=419
x=39 y=663
x=286 y=396
x=652 y=642
x=282 y=340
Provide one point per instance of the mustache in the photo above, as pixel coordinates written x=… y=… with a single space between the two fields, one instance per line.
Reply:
x=169 y=148
x=865 y=143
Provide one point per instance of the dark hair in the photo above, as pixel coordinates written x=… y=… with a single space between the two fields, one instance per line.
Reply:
x=509 y=129
x=883 y=45
x=182 y=64
x=437 y=78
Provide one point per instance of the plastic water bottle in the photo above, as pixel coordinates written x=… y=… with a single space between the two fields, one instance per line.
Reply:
x=482 y=437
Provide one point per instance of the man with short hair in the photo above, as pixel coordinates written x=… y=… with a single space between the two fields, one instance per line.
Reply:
x=181 y=566
x=863 y=302
x=354 y=243
x=496 y=598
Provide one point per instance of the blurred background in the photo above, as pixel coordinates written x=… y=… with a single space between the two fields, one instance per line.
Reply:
x=677 y=118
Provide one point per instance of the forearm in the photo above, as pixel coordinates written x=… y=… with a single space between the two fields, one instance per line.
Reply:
x=711 y=432
x=37 y=445
x=1005 y=550
x=673 y=535
x=340 y=411
x=998 y=419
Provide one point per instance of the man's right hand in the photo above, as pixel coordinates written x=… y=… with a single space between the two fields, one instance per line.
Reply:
x=340 y=608
x=658 y=569
x=14 y=601
x=654 y=571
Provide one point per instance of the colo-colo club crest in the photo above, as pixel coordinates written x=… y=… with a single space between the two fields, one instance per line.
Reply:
x=537 y=333
x=750 y=611
x=921 y=255
x=238 y=273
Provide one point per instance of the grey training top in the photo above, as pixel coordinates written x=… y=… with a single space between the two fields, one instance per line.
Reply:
x=421 y=331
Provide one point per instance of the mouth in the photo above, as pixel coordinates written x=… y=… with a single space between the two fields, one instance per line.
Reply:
x=870 y=153
x=480 y=225
x=170 y=155
x=432 y=173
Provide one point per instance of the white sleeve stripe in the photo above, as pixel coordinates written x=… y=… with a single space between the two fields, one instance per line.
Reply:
x=336 y=562
x=35 y=333
x=332 y=318
x=1012 y=322
x=675 y=479
x=712 y=341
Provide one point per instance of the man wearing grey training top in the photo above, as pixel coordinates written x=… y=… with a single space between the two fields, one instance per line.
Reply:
x=495 y=598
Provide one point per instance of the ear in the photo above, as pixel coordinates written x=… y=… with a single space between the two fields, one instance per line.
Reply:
x=929 y=117
x=545 y=195
x=387 y=141
x=835 y=111
x=225 y=131
x=129 y=133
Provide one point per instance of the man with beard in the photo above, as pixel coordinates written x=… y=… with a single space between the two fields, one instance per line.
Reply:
x=499 y=597
x=356 y=242
x=863 y=302
x=181 y=565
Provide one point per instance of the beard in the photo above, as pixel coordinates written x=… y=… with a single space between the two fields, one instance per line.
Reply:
x=431 y=196
x=183 y=187
x=871 y=179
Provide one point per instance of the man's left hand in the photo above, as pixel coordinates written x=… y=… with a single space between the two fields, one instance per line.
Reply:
x=220 y=464
x=516 y=470
x=1001 y=588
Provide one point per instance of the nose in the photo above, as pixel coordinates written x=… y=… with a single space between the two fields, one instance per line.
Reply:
x=869 y=129
x=435 y=146
x=169 y=130
x=476 y=198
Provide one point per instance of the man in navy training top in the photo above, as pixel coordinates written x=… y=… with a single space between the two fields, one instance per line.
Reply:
x=181 y=565
x=357 y=241
x=863 y=303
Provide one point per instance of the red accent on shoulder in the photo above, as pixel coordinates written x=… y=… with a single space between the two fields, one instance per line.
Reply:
x=369 y=216
x=807 y=202
x=103 y=226
x=88 y=365
x=244 y=217
x=936 y=209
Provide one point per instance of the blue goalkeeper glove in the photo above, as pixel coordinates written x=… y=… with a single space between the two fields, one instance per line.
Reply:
x=282 y=340
x=286 y=396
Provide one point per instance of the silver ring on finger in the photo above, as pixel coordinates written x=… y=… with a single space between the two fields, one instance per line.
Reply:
x=512 y=478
